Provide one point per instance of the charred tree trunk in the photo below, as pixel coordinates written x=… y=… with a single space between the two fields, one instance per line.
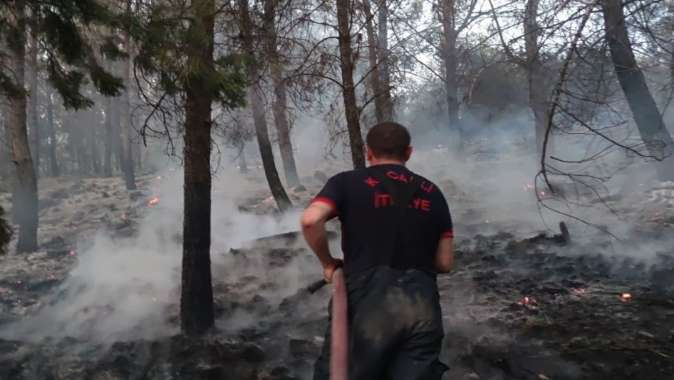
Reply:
x=645 y=112
x=257 y=106
x=447 y=13
x=128 y=170
x=53 y=163
x=33 y=100
x=280 y=102
x=5 y=232
x=538 y=94
x=107 y=147
x=24 y=196
x=374 y=76
x=348 y=88
x=196 y=301
x=385 y=68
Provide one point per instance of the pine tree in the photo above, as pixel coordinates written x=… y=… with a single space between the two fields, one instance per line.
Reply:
x=181 y=57
x=71 y=62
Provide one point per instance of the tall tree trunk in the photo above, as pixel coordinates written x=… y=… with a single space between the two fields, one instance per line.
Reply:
x=243 y=164
x=374 y=76
x=348 y=87
x=384 y=59
x=93 y=142
x=33 y=100
x=280 y=102
x=53 y=163
x=24 y=197
x=671 y=45
x=536 y=76
x=107 y=147
x=196 y=301
x=257 y=106
x=125 y=115
x=117 y=133
x=447 y=12
x=646 y=115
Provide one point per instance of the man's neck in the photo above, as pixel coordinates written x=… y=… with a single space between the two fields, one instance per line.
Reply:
x=386 y=162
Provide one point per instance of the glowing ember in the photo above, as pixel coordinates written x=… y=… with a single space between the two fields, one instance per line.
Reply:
x=527 y=301
x=626 y=297
x=153 y=201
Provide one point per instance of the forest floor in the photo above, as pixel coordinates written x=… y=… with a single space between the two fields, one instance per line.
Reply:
x=517 y=307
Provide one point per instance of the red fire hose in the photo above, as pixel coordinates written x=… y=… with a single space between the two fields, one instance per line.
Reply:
x=339 y=358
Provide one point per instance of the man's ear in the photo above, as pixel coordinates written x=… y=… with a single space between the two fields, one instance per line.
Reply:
x=369 y=154
x=408 y=153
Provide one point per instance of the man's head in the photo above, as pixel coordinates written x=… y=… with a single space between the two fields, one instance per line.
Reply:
x=388 y=142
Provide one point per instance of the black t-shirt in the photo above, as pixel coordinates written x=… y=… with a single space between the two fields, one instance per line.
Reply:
x=372 y=230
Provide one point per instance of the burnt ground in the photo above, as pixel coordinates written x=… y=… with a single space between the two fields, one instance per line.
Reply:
x=515 y=308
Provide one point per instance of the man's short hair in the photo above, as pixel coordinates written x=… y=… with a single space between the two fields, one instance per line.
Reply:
x=388 y=140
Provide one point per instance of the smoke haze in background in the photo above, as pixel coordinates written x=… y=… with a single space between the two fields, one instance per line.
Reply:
x=128 y=288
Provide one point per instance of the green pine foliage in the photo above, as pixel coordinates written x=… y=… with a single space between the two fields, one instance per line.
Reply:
x=5 y=232
x=163 y=36
x=64 y=31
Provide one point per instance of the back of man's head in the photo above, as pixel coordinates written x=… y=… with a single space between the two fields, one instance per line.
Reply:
x=389 y=140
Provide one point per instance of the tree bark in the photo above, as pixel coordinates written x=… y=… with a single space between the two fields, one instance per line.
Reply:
x=348 y=87
x=280 y=102
x=24 y=197
x=447 y=13
x=645 y=112
x=53 y=163
x=257 y=106
x=34 y=93
x=128 y=170
x=384 y=59
x=374 y=76
x=536 y=76
x=196 y=302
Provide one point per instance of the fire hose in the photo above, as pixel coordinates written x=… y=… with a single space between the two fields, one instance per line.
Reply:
x=339 y=358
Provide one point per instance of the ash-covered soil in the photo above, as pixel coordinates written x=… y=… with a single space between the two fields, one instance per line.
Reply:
x=517 y=306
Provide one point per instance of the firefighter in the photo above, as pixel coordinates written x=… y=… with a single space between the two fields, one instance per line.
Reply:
x=396 y=237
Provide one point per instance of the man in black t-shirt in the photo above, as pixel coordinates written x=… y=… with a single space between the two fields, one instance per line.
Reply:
x=396 y=235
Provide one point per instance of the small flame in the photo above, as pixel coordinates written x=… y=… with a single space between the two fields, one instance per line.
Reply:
x=527 y=301
x=153 y=201
x=626 y=297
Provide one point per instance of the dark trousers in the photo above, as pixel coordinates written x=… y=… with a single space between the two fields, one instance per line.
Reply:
x=395 y=327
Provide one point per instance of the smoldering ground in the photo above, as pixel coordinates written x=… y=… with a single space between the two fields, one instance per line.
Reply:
x=122 y=292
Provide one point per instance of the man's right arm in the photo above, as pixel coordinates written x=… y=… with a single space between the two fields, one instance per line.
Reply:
x=444 y=257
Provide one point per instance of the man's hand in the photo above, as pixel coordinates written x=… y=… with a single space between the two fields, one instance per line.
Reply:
x=330 y=268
